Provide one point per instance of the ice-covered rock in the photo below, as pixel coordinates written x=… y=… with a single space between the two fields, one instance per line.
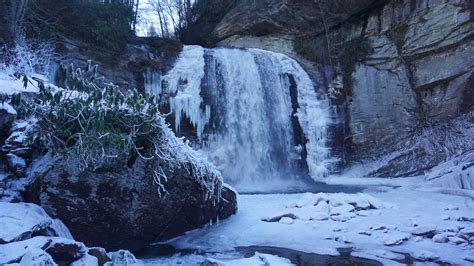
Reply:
x=382 y=226
x=395 y=238
x=343 y=217
x=19 y=221
x=457 y=240
x=100 y=254
x=86 y=260
x=425 y=255
x=467 y=233
x=60 y=229
x=440 y=238
x=62 y=249
x=37 y=257
x=121 y=258
x=341 y=209
x=277 y=218
x=423 y=230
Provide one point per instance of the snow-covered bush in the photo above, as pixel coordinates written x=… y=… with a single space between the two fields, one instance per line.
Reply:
x=28 y=57
x=107 y=128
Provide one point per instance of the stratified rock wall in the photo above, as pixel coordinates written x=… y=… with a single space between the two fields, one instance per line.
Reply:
x=417 y=69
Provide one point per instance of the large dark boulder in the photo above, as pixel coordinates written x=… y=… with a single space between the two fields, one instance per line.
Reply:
x=121 y=208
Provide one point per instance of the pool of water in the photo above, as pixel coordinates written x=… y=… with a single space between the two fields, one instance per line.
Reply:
x=296 y=257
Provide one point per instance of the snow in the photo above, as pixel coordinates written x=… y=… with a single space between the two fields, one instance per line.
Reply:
x=258 y=259
x=121 y=257
x=37 y=257
x=36 y=246
x=8 y=108
x=382 y=233
x=10 y=85
x=423 y=230
x=60 y=229
x=20 y=220
x=86 y=260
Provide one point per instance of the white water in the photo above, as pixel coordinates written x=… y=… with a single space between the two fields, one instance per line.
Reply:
x=240 y=104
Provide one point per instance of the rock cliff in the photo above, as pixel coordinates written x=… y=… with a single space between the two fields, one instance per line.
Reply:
x=390 y=68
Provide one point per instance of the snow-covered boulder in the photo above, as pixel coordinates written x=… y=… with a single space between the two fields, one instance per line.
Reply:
x=100 y=254
x=37 y=257
x=121 y=208
x=16 y=164
x=59 y=249
x=395 y=238
x=19 y=221
x=423 y=230
x=121 y=257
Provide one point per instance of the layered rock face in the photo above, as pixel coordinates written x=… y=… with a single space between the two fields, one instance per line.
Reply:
x=403 y=66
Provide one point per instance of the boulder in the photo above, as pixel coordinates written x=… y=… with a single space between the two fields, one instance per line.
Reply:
x=121 y=257
x=16 y=164
x=42 y=248
x=7 y=116
x=121 y=208
x=423 y=230
x=19 y=221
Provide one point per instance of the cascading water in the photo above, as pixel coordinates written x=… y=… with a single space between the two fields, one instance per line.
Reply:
x=256 y=114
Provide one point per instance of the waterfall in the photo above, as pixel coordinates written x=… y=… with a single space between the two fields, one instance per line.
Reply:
x=256 y=114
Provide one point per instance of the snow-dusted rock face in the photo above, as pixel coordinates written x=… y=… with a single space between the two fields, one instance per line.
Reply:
x=420 y=63
x=122 y=208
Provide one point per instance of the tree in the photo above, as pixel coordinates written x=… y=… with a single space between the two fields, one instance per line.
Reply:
x=105 y=24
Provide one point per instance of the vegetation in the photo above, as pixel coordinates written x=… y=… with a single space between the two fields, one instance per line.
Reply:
x=106 y=25
x=94 y=122
x=201 y=20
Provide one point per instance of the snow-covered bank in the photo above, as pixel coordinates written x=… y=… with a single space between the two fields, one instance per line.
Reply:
x=382 y=224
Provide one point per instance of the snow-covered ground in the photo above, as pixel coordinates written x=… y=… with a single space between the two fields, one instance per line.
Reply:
x=384 y=223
